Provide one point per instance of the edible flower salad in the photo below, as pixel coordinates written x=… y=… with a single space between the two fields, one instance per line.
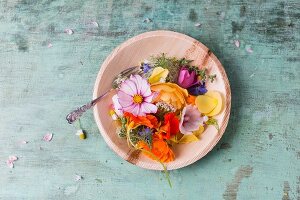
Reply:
x=165 y=104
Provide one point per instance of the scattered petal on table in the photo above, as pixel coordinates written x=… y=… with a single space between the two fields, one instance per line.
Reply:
x=78 y=177
x=24 y=142
x=48 y=137
x=197 y=25
x=69 y=31
x=94 y=23
x=249 y=50
x=237 y=43
x=10 y=163
x=12 y=158
x=49 y=45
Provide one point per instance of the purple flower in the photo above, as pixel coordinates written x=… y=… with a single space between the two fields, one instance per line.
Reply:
x=146 y=67
x=186 y=78
x=197 y=89
x=145 y=131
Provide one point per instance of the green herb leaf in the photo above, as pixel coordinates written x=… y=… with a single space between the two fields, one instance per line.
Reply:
x=212 y=121
x=122 y=130
x=212 y=77
x=170 y=63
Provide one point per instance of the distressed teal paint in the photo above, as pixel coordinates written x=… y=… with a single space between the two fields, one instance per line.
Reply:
x=258 y=157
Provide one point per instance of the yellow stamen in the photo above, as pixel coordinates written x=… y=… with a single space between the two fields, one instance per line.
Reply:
x=137 y=98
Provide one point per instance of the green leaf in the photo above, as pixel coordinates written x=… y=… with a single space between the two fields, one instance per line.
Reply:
x=212 y=121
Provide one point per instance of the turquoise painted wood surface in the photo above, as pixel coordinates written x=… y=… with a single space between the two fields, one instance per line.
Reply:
x=258 y=157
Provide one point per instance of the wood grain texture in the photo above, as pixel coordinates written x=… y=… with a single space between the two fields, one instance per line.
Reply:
x=258 y=156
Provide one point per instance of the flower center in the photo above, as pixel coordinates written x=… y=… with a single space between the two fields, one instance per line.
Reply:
x=137 y=98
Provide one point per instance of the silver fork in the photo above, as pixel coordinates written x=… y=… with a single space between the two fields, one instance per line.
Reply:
x=76 y=114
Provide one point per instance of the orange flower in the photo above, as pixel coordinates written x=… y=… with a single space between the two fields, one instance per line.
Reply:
x=170 y=126
x=190 y=99
x=135 y=121
x=160 y=150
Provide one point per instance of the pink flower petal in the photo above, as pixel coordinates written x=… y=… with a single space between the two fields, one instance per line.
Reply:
x=117 y=105
x=94 y=23
x=237 y=43
x=149 y=106
x=10 y=164
x=69 y=31
x=129 y=87
x=12 y=158
x=48 y=137
x=249 y=50
x=124 y=99
x=78 y=177
x=190 y=120
x=129 y=108
x=150 y=98
x=49 y=45
x=136 y=110
x=140 y=82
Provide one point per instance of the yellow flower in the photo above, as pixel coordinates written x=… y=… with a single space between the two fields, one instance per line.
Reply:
x=158 y=75
x=211 y=103
x=170 y=93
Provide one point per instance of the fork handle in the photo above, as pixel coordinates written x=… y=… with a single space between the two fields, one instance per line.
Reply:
x=76 y=114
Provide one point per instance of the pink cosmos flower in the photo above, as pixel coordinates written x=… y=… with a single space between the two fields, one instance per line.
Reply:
x=190 y=120
x=186 y=79
x=135 y=96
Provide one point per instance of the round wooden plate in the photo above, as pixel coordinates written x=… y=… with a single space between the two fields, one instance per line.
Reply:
x=131 y=53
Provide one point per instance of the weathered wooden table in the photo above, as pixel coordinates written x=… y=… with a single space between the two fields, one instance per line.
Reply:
x=45 y=73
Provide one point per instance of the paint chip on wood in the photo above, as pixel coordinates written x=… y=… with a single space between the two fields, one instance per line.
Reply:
x=233 y=187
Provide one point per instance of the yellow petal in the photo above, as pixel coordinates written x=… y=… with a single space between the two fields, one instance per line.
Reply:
x=205 y=104
x=158 y=74
x=199 y=131
x=218 y=108
x=188 y=139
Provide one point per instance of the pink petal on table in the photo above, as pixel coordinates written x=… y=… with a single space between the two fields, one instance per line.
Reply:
x=49 y=45
x=249 y=50
x=78 y=177
x=94 y=23
x=10 y=163
x=48 y=137
x=12 y=158
x=69 y=31
x=237 y=43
